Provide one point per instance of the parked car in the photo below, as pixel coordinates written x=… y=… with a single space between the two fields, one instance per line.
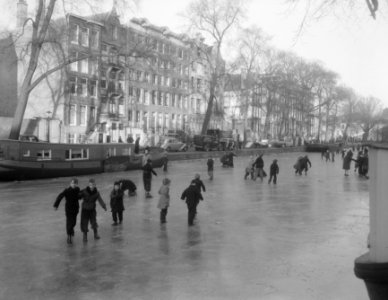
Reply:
x=206 y=143
x=172 y=144
x=254 y=145
x=281 y=143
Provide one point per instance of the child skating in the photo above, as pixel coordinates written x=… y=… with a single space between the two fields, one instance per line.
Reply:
x=116 y=204
x=164 y=199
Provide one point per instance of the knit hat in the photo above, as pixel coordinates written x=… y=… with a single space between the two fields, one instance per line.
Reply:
x=91 y=180
x=74 y=180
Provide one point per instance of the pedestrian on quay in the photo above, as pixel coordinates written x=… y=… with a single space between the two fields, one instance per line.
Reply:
x=347 y=161
x=165 y=161
x=116 y=204
x=210 y=167
x=164 y=199
x=259 y=165
x=71 y=195
x=147 y=177
x=192 y=197
x=273 y=171
x=90 y=196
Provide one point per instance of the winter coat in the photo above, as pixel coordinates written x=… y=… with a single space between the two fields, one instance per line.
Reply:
x=164 y=198
x=199 y=184
x=274 y=169
x=347 y=160
x=210 y=164
x=90 y=197
x=259 y=163
x=71 y=196
x=191 y=195
x=116 y=200
x=148 y=171
x=304 y=163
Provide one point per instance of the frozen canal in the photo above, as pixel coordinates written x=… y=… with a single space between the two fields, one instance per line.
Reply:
x=297 y=240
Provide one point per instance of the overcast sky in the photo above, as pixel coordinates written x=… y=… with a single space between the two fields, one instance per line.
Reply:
x=351 y=44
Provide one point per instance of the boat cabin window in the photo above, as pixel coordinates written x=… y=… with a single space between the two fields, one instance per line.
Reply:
x=77 y=154
x=127 y=151
x=26 y=153
x=111 y=152
x=44 y=155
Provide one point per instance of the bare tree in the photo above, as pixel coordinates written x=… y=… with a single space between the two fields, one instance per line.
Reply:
x=368 y=115
x=214 y=19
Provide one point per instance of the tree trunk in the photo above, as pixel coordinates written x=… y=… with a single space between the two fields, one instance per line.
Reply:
x=210 y=103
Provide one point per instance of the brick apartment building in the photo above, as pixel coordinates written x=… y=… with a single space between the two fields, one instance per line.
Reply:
x=136 y=80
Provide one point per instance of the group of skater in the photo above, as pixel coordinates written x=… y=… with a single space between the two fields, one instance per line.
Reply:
x=192 y=194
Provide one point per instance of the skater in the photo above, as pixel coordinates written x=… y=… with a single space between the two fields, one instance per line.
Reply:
x=327 y=155
x=210 y=168
x=305 y=163
x=332 y=153
x=137 y=146
x=147 y=177
x=164 y=199
x=88 y=213
x=116 y=204
x=199 y=183
x=230 y=159
x=249 y=168
x=192 y=197
x=146 y=156
x=165 y=161
x=347 y=161
x=71 y=195
x=127 y=185
x=259 y=165
x=274 y=171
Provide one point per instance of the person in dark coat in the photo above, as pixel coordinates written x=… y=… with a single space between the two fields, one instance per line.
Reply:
x=90 y=196
x=165 y=161
x=147 y=177
x=273 y=171
x=210 y=167
x=327 y=155
x=137 y=146
x=128 y=185
x=71 y=195
x=192 y=197
x=347 y=161
x=259 y=165
x=305 y=163
x=116 y=204
x=230 y=159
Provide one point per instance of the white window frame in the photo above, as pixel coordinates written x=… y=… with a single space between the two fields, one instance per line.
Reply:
x=76 y=41
x=43 y=155
x=82 y=154
x=82 y=35
x=75 y=115
x=85 y=115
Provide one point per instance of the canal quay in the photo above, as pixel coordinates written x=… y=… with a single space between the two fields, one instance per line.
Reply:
x=251 y=240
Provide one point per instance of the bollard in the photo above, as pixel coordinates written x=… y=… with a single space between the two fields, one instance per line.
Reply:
x=372 y=267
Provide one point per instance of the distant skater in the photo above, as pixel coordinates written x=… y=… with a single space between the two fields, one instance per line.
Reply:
x=90 y=196
x=347 y=161
x=210 y=168
x=274 y=171
x=165 y=162
x=71 y=195
x=259 y=165
x=147 y=177
x=117 y=204
x=192 y=197
x=164 y=199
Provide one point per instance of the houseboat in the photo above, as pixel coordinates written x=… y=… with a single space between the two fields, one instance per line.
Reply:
x=21 y=160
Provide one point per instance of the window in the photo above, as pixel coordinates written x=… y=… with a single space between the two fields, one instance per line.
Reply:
x=160 y=96
x=93 y=66
x=71 y=154
x=180 y=53
x=95 y=39
x=74 y=65
x=84 y=32
x=121 y=106
x=74 y=33
x=112 y=106
x=146 y=77
x=72 y=85
x=139 y=76
x=73 y=115
x=103 y=83
x=92 y=115
x=168 y=81
x=93 y=88
x=130 y=91
x=146 y=97
x=84 y=66
x=155 y=79
x=129 y=115
x=43 y=155
x=167 y=99
x=137 y=116
x=153 y=97
x=115 y=32
x=84 y=87
x=83 y=116
x=26 y=153
x=172 y=100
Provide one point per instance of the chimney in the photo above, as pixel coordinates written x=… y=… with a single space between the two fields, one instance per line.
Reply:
x=21 y=13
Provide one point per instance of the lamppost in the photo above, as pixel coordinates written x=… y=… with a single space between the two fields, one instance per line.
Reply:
x=48 y=118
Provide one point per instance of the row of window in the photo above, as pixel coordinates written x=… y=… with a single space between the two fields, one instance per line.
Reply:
x=86 y=66
x=70 y=154
x=81 y=115
x=157 y=120
x=80 y=35
x=82 y=86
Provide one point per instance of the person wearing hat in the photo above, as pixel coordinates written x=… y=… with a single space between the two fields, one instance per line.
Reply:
x=90 y=196
x=71 y=195
x=273 y=171
x=147 y=177
x=192 y=196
